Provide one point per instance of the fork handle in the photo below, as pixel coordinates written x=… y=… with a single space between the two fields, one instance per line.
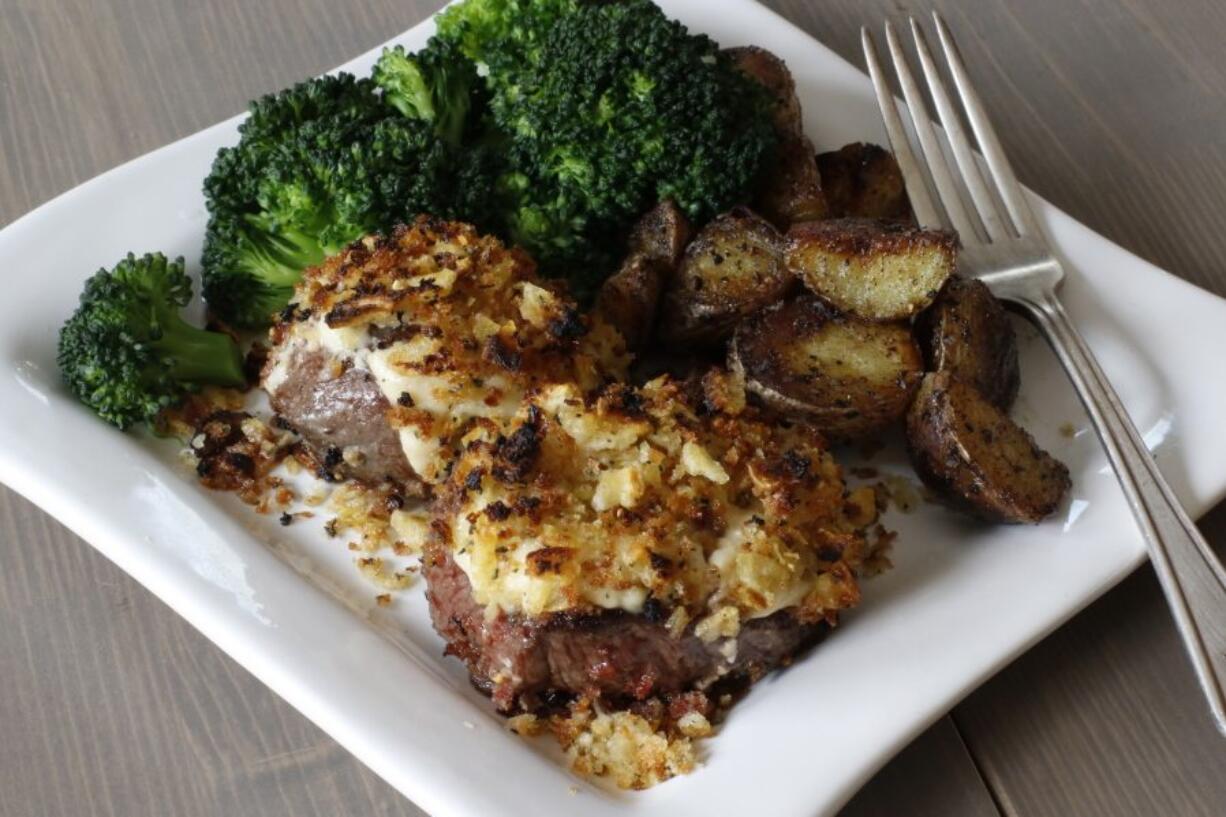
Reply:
x=1191 y=575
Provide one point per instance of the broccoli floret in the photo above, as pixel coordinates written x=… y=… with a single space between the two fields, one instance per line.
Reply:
x=127 y=353
x=608 y=108
x=501 y=35
x=437 y=85
x=554 y=123
x=316 y=167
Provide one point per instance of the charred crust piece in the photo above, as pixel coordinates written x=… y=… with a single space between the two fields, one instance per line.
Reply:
x=567 y=325
x=333 y=457
x=498 y=511
x=220 y=465
x=973 y=455
x=500 y=352
x=351 y=312
x=547 y=560
x=733 y=268
x=967 y=332
x=237 y=452
x=654 y=610
x=848 y=377
x=873 y=269
x=472 y=482
x=517 y=453
x=254 y=362
x=622 y=400
x=863 y=181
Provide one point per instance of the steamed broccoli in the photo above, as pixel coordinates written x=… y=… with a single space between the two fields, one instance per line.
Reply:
x=437 y=85
x=316 y=167
x=607 y=108
x=127 y=353
x=503 y=36
x=554 y=123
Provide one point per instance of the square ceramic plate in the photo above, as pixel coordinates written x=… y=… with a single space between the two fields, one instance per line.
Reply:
x=962 y=600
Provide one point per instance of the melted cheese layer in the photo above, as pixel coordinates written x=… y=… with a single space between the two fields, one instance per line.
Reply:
x=609 y=501
x=452 y=326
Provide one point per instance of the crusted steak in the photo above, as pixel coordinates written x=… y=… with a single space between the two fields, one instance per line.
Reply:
x=589 y=538
x=638 y=542
x=533 y=663
x=391 y=348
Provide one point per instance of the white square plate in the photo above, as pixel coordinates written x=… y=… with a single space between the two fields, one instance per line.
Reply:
x=962 y=600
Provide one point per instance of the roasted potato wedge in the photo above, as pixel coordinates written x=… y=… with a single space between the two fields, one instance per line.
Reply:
x=772 y=73
x=848 y=377
x=661 y=234
x=733 y=268
x=967 y=332
x=791 y=190
x=879 y=270
x=862 y=180
x=628 y=299
x=681 y=365
x=973 y=455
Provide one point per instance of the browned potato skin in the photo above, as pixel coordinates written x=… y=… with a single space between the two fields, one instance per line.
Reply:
x=877 y=270
x=733 y=268
x=772 y=73
x=790 y=357
x=974 y=456
x=862 y=180
x=791 y=191
x=662 y=234
x=683 y=365
x=629 y=299
x=967 y=332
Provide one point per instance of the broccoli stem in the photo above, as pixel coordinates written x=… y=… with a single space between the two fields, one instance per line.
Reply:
x=280 y=253
x=198 y=355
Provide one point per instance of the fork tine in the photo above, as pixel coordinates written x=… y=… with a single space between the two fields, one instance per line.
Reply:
x=942 y=177
x=971 y=176
x=925 y=209
x=998 y=164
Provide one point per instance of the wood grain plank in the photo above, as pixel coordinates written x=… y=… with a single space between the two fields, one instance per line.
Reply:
x=933 y=777
x=88 y=85
x=1103 y=718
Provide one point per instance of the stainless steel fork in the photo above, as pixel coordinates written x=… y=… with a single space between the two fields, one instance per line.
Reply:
x=1005 y=248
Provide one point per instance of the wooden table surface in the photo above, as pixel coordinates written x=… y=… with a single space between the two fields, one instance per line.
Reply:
x=111 y=705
